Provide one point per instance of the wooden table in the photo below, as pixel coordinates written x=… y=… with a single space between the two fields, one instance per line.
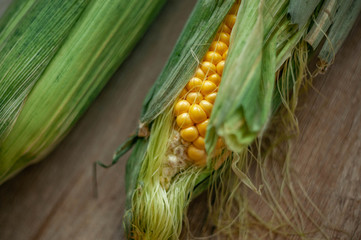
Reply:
x=53 y=199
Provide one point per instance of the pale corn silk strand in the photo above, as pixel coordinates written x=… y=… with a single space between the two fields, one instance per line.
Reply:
x=158 y=212
x=159 y=204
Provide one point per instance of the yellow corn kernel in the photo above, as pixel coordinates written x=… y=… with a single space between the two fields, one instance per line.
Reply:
x=189 y=134
x=208 y=87
x=200 y=74
x=194 y=97
x=220 y=67
x=208 y=67
x=197 y=155
x=202 y=93
x=213 y=57
x=207 y=107
x=215 y=78
x=218 y=46
x=182 y=106
x=194 y=85
x=184 y=120
x=230 y=20
x=202 y=128
x=199 y=143
x=211 y=97
x=224 y=28
x=224 y=56
x=223 y=36
x=197 y=114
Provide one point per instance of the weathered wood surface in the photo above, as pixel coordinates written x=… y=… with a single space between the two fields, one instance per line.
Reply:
x=53 y=199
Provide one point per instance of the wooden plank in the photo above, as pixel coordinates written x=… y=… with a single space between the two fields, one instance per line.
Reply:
x=53 y=199
x=328 y=151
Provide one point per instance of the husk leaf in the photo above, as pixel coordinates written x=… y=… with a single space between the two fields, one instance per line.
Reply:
x=301 y=11
x=244 y=98
x=101 y=39
x=26 y=48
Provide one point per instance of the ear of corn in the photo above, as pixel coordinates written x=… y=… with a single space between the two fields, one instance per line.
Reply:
x=23 y=59
x=345 y=16
x=56 y=57
x=266 y=60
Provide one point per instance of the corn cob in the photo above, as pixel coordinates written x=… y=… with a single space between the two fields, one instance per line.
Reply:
x=182 y=141
x=56 y=56
x=194 y=105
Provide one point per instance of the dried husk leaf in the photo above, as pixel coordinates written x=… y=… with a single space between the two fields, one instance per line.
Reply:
x=344 y=19
x=324 y=20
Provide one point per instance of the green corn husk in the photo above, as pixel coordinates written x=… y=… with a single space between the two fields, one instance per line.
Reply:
x=56 y=56
x=267 y=61
x=36 y=43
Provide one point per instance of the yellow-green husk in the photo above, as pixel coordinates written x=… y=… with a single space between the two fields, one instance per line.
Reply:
x=68 y=52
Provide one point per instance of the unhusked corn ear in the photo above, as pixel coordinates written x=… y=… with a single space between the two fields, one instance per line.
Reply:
x=56 y=56
x=29 y=39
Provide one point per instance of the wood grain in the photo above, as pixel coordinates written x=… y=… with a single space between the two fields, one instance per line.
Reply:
x=53 y=199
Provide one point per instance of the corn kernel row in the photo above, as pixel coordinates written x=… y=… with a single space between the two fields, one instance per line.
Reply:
x=194 y=105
